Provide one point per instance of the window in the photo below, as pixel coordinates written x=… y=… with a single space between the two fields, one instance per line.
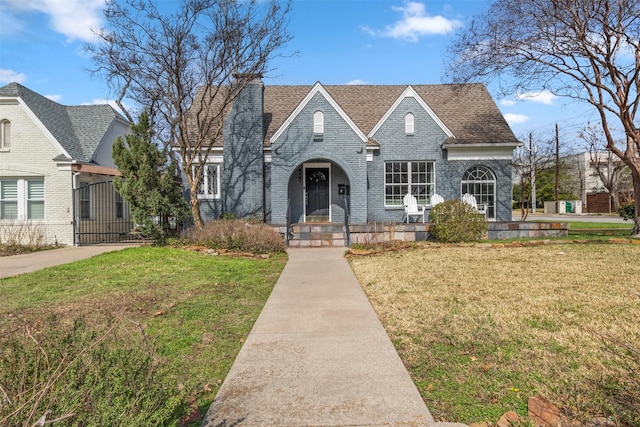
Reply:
x=318 y=123
x=22 y=199
x=209 y=187
x=402 y=178
x=85 y=201
x=8 y=199
x=480 y=182
x=408 y=124
x=5 y=135
x=35 y=199
x=119 y=205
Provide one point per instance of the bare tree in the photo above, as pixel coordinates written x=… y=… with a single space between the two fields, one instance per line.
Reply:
x=537 y=157
x=186 y=67
x=587 y=50
x=613 y=173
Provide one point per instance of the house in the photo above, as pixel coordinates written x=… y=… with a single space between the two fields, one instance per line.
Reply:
x=313 y=153
x=56 y=168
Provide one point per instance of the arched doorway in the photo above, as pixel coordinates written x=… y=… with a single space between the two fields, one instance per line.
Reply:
x=480 y=182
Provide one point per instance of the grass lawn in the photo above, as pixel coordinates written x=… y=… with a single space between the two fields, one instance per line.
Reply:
x=196 y=309
x=482 y=330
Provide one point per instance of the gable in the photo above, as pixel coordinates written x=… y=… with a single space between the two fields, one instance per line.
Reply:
x=317 y=89
x=75 y=131
x=409 y=92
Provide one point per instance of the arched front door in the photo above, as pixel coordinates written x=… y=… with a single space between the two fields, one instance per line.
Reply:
x=317 y=193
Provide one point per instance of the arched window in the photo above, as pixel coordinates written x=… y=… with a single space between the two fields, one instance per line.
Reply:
x=408 y=124
x=318 y=123
x=5 y=135
x=480 y=182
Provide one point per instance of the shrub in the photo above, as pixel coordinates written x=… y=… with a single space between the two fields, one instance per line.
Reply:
x=236 y=235
x=627 y=210
x=51 y=371
x=454 y=221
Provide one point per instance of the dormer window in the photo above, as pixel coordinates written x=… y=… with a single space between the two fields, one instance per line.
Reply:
x=318 y=125
x=408 y=124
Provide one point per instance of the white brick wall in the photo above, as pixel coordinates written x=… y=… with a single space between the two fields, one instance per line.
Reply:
x=31 y=155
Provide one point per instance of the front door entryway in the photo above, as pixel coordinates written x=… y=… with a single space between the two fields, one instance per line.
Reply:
x=317 y=194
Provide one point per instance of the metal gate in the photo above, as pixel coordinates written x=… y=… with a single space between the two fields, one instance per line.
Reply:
x=101 y=215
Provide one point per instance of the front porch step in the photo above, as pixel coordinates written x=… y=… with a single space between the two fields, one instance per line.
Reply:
x=317 y=235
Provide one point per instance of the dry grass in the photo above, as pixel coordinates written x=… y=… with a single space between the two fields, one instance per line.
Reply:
x=481 y=330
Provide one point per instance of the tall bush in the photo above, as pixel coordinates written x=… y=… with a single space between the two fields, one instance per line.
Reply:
x=454 y=221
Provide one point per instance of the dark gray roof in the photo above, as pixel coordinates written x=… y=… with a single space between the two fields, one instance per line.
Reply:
x=79 y=129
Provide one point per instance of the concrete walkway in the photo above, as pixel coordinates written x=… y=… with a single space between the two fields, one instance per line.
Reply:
x=26 y=263
x=318 y=356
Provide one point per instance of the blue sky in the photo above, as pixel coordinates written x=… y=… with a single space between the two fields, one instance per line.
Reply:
x=338 y=42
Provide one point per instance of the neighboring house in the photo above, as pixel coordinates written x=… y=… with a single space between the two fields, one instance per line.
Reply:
x=583 y=168
x=55 y=161
x=320 y=150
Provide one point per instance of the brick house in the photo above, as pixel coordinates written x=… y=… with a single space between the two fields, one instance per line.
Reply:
x=53 y=159
x=319 y=150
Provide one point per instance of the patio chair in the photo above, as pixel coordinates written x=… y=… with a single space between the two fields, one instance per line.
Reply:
x=471 y=200
x=435 y=199
x=411 y=207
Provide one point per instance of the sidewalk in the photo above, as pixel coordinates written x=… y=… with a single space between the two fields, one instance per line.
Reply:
x=26 y=263
x=318 y=356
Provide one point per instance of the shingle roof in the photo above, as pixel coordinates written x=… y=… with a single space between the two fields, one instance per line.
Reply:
x=467 y=110
x=79 y=129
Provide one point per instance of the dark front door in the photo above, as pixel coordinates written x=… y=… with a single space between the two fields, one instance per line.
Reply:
x=317 y=194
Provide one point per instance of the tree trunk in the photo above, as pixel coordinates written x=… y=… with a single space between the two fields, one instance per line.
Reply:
x=635 y=177
x=195 y=209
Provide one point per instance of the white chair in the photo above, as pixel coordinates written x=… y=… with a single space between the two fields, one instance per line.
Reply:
x=435 y=199
x=471 y=201
x=411 y=207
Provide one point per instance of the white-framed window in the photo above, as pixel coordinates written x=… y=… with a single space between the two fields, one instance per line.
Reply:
x=480 y=182
x=400 y=178
x=5 y=135
x=209 y=187
x=409 y=127
x=318 y=123
x=22 y=198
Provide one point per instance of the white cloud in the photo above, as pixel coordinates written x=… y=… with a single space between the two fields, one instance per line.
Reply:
x=543 y=97
x=357 y=82
x=415 y=23
x=507 y=102
x=73 y=18
x=515 y=119
x=54 y=98
x=100 y=101
x=8 y=76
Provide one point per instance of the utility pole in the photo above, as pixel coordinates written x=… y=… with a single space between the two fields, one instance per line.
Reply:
x=557 y=169
x=532 y=170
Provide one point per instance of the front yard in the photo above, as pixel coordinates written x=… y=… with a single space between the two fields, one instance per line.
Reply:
x=482 y=329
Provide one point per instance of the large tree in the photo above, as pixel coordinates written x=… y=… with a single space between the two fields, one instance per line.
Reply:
x=148 y=181
x=162 y=60
x=588 y=50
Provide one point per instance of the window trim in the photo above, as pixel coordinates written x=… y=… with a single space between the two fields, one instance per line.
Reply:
x=204 y=183
x=5 y=135
x=318 y=123
x=409 y=124
x=481 y=198
x=430 y=186
x=22 y=200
